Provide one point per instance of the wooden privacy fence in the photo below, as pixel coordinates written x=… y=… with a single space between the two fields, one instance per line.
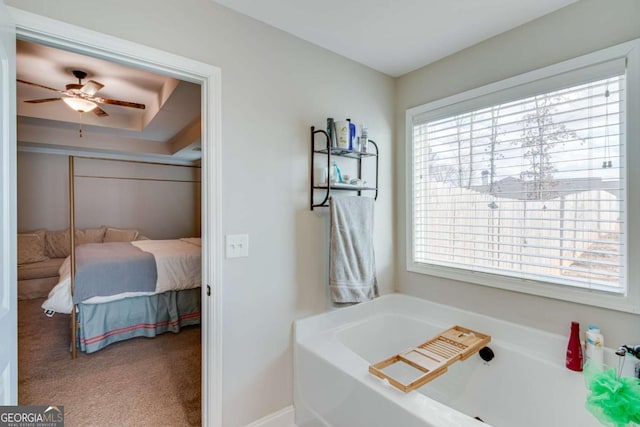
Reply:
x=573 y=235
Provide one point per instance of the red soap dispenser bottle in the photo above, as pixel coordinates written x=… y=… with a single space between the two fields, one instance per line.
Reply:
x=574 y=349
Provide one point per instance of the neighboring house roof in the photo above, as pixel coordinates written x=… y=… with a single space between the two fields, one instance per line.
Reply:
x=516 y=188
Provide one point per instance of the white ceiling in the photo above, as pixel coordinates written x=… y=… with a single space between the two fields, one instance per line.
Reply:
x=392 y=36
x=167 y=128
x=395 y=36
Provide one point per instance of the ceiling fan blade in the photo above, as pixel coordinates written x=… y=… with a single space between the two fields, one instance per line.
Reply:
x=38 y=101
x=91 y=87
x=121 y=103
x=39 y=85
x=99 y=112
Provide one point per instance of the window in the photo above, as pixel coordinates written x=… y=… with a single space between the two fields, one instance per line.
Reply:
x=523 y=184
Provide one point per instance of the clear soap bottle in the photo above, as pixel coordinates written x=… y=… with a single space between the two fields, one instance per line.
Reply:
x=336 y=175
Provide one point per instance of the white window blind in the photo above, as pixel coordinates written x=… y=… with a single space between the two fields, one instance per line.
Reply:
x=532 y=188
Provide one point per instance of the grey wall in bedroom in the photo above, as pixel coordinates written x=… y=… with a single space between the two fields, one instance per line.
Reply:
x=43 y=196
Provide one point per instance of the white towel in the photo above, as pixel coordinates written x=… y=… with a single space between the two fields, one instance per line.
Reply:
x=352 y=270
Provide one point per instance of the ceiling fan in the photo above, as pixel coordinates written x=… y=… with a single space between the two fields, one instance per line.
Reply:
x=81 y=97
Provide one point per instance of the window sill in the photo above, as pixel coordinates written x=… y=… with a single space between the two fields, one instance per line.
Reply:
x=618 y=302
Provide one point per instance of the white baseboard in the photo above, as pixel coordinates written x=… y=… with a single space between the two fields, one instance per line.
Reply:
x=282 y=418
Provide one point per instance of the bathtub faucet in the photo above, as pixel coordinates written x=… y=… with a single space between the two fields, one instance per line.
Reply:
x=487 y=355
x=633 y=350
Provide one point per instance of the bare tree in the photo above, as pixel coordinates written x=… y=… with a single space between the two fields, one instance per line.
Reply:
x=440 y=172
x=495 y=115
x=471 y=126
x=540 y=135
x=460 y=122
x=464 y=143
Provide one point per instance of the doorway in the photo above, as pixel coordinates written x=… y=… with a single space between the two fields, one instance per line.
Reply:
x=45 y=31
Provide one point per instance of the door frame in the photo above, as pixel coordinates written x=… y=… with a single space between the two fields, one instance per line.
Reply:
x=47 y=31
x=8 y=263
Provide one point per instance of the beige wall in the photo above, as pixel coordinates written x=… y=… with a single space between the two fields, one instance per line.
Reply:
x=274 y=86
x=43 y=196
x=578 y=29
x=43 y=192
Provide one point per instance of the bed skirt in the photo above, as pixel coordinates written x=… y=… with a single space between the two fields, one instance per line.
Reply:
x=144 y=316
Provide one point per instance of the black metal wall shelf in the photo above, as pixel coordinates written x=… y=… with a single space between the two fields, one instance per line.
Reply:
x=329 y=151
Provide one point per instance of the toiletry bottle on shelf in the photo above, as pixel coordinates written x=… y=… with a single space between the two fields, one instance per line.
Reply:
x=331 y=131
x=364 y=141
x=352 y=135
x=574 y=349
x=336 y=172
x=342 y=134
x=594 y=346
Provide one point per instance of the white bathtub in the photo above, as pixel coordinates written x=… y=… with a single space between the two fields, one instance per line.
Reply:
x=525 y=385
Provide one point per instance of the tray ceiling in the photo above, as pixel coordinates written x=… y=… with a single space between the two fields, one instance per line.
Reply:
x=168 y=126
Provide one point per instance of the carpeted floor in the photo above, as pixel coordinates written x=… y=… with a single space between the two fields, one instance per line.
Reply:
x=140 y=382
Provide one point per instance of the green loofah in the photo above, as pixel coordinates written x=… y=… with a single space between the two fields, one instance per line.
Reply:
x=614 y=401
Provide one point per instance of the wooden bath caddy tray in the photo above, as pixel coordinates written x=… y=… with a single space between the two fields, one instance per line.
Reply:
x=433 y=357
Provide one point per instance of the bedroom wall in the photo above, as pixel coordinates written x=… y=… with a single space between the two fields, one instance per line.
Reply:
x=583 y=27
x=274 y=86
x=43 y=196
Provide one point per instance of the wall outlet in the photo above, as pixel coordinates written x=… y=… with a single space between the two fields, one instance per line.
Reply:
x=237 y=245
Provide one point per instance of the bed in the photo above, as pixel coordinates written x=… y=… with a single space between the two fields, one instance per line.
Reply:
x=123 y=290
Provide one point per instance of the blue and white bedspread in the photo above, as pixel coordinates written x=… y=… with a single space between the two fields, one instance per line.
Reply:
x=177 y=263
x=106 y=269
x=143 y=316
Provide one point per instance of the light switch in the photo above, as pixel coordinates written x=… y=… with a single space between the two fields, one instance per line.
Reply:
x=237 y=245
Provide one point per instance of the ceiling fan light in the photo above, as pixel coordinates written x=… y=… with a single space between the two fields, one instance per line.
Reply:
x=80 y=105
